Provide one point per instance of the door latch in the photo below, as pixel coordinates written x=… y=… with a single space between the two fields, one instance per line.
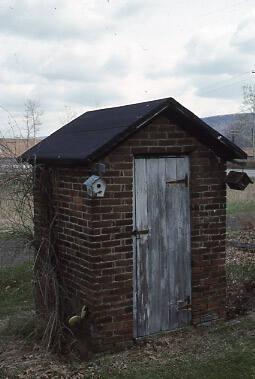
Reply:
x=184 y=180
x=137 y=233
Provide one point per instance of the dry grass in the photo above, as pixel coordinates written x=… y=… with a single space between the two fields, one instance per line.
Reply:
x=16 y=210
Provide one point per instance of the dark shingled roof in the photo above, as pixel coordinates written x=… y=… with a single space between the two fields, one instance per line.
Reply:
x=95 y=133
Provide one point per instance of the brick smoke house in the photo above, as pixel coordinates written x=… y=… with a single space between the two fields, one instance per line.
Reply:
x=138 y=198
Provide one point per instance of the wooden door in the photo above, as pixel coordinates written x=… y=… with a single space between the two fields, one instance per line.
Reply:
x=162 y=277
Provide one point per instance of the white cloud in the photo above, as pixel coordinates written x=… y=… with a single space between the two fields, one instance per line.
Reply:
x=244 y=37
x=213 y=65
x=52 y=20
x=90 y=54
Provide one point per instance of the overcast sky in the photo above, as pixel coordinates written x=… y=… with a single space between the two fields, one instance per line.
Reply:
x=73 y=56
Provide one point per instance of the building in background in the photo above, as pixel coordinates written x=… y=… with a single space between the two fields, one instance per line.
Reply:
x=12 y=148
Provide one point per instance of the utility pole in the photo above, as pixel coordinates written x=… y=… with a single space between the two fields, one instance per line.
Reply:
x=234 y=133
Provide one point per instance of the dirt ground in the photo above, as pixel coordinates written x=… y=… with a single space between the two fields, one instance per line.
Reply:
x=22 y=360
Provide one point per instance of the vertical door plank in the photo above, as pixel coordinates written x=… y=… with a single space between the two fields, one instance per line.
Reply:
x=171 y=219
x=163 y=235
x=183 y=268
x=155 y=225
x=142 y=263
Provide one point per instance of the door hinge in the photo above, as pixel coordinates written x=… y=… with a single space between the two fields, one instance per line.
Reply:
x=184 y=305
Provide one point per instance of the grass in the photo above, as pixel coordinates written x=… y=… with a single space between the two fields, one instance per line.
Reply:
x=17 y=315
x=12 y=234
x=233 y=364
x=234 y=207
x=220 y=352
x=223 y=351
x=240 y=272
x=17 y=302
x=16 y=209
x=16 y=290
x=241 y=201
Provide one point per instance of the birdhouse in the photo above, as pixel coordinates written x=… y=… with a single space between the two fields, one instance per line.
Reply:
x=95 y=186
x=238 y=180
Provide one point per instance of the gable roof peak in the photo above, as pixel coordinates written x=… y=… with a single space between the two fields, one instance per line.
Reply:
x=96 y=132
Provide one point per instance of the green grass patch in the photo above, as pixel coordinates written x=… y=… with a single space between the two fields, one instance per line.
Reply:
x=225 y=352
x=234 y=364
x=10 y=233
x=240 y=206
x=240 y=272
x=16 y=289
x=24 y=325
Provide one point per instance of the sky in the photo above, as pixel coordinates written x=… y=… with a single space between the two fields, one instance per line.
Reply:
x=74 y=56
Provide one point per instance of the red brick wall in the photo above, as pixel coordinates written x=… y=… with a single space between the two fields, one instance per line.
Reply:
x=94 y=241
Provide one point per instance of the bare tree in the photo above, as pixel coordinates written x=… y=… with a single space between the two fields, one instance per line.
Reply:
x=68 y=115
x=241 y=130
x=248 y=108
x=33 y=113
x=248 y=104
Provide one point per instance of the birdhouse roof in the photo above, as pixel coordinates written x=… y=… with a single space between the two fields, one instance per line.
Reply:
x=95 y=133
x=91 y=180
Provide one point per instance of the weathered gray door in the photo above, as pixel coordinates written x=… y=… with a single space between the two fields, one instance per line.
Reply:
x=162 y=277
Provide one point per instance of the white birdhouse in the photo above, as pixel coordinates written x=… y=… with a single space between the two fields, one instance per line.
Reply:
x=95 y=186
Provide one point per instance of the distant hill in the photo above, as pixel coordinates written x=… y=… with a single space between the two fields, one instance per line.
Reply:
x=237 y=127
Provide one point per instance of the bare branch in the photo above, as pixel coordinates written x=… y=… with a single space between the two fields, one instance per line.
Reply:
x=33 y=113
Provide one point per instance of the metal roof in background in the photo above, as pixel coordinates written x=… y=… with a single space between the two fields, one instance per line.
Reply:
x=95 y=133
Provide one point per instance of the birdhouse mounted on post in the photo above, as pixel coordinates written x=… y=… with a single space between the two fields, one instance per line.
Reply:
x=238 y=180
x=95 y=186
